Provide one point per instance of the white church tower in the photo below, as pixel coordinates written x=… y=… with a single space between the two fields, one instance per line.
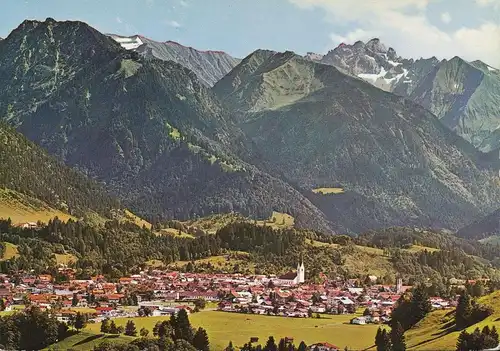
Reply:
x=301 y=273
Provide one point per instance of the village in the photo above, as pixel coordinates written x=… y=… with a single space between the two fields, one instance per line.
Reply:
x=162 y=293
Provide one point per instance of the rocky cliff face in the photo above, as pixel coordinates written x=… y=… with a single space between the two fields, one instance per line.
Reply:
x=462 y=94
x=210 y=66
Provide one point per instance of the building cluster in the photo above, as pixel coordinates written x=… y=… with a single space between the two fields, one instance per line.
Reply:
x=158 y=293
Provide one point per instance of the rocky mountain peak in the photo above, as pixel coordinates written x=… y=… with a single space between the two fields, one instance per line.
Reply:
x=210 y=65
x=313 y=56
x=376 y=46
x=391 y=54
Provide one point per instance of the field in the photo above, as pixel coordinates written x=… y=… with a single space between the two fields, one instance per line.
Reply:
x=21 y=208
x=432 y=333
x=223 y=327
x=10 y=251
x=279 y=220
x=211 y=224
x=418 y=248
x=65 y=259
x=327 y=191
x=375 y=262
x=175 y=232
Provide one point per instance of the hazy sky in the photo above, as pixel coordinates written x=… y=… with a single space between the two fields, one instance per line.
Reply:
x=416 y=28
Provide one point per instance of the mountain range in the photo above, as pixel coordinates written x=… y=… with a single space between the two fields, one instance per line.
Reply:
x=276 y=132
x=146 y=128
x=463 y=95
x=210 y=66
x=323 y=129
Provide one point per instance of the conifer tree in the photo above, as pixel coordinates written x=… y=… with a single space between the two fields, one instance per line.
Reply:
x=463 y=311
x=113 y=329
x=398 y=338
x=130 y=329
x=105 y=326
x=182 y=327
x=80 y=321
x=494 y=335
x=463 y=341
x=282 y=345
x=200 y=340
x=144 y=332
x=271 y=345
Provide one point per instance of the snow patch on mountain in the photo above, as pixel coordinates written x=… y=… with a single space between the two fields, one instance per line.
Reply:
x=395 y=64
x=128 y=43
x=372 y=78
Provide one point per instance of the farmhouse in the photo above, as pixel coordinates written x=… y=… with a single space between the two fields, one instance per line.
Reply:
x=358 y=320
x=324 y=346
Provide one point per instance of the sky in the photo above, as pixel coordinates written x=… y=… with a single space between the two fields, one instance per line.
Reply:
x=414 y=28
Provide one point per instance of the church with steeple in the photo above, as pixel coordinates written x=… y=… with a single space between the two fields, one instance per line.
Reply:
x=301 y=273
x=293 y=278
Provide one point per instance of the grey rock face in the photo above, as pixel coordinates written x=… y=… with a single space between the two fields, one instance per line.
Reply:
x=210 y=66
x=463 y=95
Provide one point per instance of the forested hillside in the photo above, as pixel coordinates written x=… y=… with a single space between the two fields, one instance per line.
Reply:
x=117 y=249
x=148 y=129
x=29 y=170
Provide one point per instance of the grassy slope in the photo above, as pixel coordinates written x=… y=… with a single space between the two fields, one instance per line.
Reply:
x=223 y=263
x=224 y=327
x=87 y=341
x=493 y=240
x=433 y=333
x=129 y=216
x=65 y=259
x=175 y=232
x=22 y=208
x=10 y=251
x=211 y=224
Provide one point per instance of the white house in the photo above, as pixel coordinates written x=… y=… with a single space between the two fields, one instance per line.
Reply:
x=358 y=320
x=324 y=346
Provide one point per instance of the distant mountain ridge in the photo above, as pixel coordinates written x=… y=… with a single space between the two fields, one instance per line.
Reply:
x=319 y=128
x=464 y=95
x=279 y=132
x=210 y=66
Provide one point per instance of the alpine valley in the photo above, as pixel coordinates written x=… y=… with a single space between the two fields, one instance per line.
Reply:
x=277 y=132
x=141 y=179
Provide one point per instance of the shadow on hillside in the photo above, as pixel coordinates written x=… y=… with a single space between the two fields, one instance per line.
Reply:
x=445 y=329
x=89 y=339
